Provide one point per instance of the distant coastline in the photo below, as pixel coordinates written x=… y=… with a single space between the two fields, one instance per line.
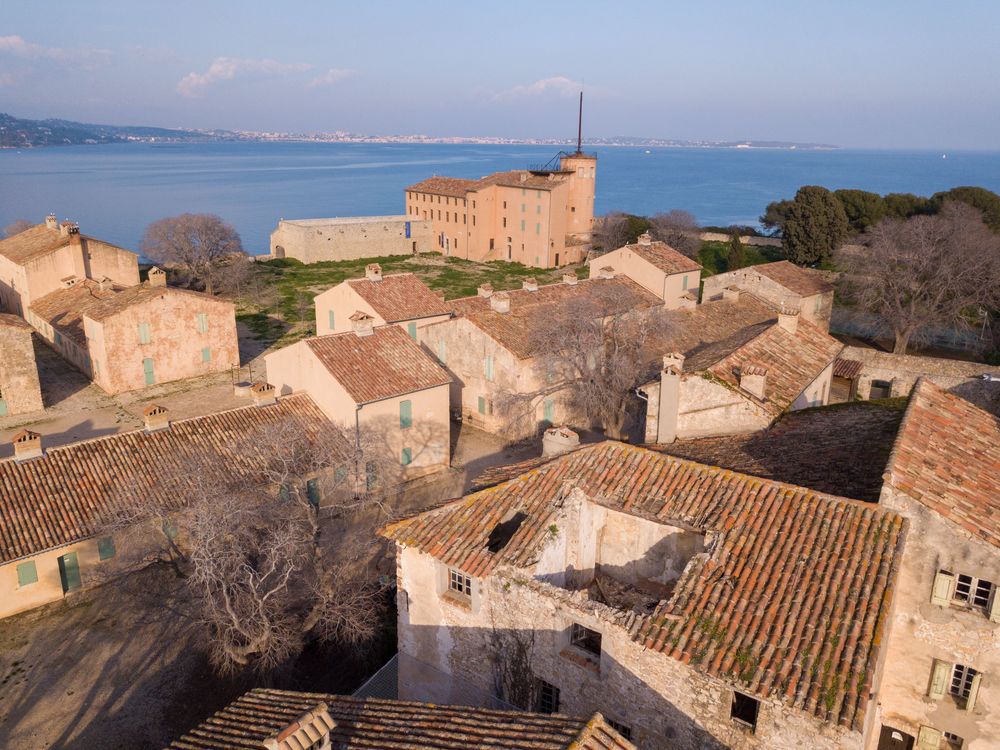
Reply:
x=17 y=133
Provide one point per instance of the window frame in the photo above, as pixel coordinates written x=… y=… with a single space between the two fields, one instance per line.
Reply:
x=584 y=639
x=405 y=414
x=741 y=698
x=26 y=565
x=202 y=323
x=103 y=545
x=548 y=698
x=459 y=583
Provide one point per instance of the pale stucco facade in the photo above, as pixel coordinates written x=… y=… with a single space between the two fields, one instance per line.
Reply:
x=675 y=289
x=337 y=304
x=350 y=238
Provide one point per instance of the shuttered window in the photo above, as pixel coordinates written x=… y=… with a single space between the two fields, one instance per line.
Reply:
x=312 y=492
x=202 y=323
x=27 y=573
x=331 y=320
x=405 y=414
x=549 y=408
x=105 y=548
x=411 y=328
x=442 y=352
x=206 y=354
x=144 y=335
x=488 y=367
x=406 y=458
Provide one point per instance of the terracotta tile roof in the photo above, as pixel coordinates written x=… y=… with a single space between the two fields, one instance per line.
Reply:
x=61 y=497
x=455 y=187
x=799 y=280
x=385 y=364
x=39 y=241
x=791 y=604
x=664 y=257
x=515 y=330
x=520 y=178
x=397 y=725
x=400 y=296
x=947 y=457
x=841 y=450
x=846 y=368
x=13 y=321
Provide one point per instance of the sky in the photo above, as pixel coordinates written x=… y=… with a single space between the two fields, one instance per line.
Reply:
x=870 y=74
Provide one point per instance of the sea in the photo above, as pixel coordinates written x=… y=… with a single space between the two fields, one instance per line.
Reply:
x=115 y=191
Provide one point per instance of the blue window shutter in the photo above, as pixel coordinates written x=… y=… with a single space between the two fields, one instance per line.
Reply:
x=407 y=230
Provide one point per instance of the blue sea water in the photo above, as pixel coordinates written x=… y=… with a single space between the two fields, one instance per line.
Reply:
x=115 y=191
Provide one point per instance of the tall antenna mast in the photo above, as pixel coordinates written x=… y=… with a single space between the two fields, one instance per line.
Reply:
x=579 y=127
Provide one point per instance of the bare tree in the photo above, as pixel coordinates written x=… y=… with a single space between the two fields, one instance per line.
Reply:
x=16 y=227
x=611 y=232
x=679 y=229
x=590 y=360
x=198 y=244
x=926 y=272
x=271 y=536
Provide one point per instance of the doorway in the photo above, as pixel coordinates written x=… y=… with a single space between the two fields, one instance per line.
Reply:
x=69 y=572
x=894 y=739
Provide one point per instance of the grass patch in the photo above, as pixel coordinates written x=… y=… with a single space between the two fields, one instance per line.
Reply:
x=714 y=256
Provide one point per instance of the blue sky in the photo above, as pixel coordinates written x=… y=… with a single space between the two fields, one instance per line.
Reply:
x=882 y=73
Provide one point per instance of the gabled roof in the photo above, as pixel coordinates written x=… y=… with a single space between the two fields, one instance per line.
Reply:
x=798 y=280
x=791 y=603
x=382 y=365
x=61 y=497
x=38 y=241
x=457 y=187
x=452 y=186
x=664 y=257
x=397 y=725
x=399 y=297
x=947 y=457
x=515 y=330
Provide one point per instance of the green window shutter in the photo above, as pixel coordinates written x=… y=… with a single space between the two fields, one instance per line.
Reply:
x=147 y=370
x=407 y=457
x=144 y=334
x=488 y=366
x=105 y=548
x=943 y=589
x=684 y=282
x=993 y=605
x=538 y=228
x=549 y=407
x=405 y=414
x=940 y=673
x=522 y=225
x=69 y=572
x=970 y=702
x=482 y=404
x=202 y=323
x=312 y=492
x=442 y=352
x=371 y=475
x=3 y=407
x=928 y=739
x=206 y=354
x=411 y=328
x=284 y=494
x=332 y=321
x=27 y=573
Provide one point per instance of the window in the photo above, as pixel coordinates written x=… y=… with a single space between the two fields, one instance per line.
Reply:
x=405 y=414
x=371 y=475
x=505 y=205
x=954 y=741
x=744 y=709
x=312 y=492
x=169 y=529
x=585 y=639
x=411 y=328
x=524 y=207
x=965 y=591
x=622 y=729
x=974 y=591
x=488 y=367
x=202 y=323
x=144 y=334
x=961 y=681
x=105 y=548
x=459 y=583
x=522 y=225
x=549 y=410
x=206 y=354
x=505 y=221
x=538 y=228
x=331 y=320
x=27 y=574
x=283 y=493
x=880 y=389
x=491 y=243
x=548 y=698
x=406 y=456
x=684 y=283
x=442 y=352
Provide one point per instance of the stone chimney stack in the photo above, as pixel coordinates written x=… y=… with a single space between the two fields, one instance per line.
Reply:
x=363 y=323
x=607 y=272
x=789 y=319
x=263 y=394
x=569 y=278
x=645 y=239
x=157 y=276
x=105 y=284
x=373 y=272
x=731 y=294
x=668 y=407
x=68 y=228
x=485 y=290
x=557 y=440
x=753 y=380
x=156 y=418
x=530 y=284
x=27 y=445
x=500 y=302
x=51 y=221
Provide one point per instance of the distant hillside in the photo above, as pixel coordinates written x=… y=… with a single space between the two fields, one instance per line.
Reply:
x=18 y=133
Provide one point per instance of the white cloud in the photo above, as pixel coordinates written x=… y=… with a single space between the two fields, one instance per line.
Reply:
x=559 y=85
x=228 y=68
x=16 y=46
x=330 y=77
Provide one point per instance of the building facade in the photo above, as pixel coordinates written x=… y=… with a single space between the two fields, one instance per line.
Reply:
x=349 y=238
x=781 y=283
x=541 y=218
x=20 y=391
x=656 y=267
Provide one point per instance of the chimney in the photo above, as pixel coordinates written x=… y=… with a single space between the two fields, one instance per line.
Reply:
x=69 y=281
x=530 y=284
x=645 y=239
x=363 y=323
x=557 y=440
x=262 y=394
x=51 y=222
x=105 y=284
x=311 y=730
x=607 y=272
x=668 y=407
x=155 y=417
x=500 y=302
x=524 y=176
x=753 y=380
x=731 y=293
x=569 y=278
x=157 y=276
x=485 y=290
x=68 y=228
x=27 y=445
x=373 y=272
x=789 y=320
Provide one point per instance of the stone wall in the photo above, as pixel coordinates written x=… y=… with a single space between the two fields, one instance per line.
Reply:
x=747 y=239
x=316 y=240
x=817 y=307
x=20 y=391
